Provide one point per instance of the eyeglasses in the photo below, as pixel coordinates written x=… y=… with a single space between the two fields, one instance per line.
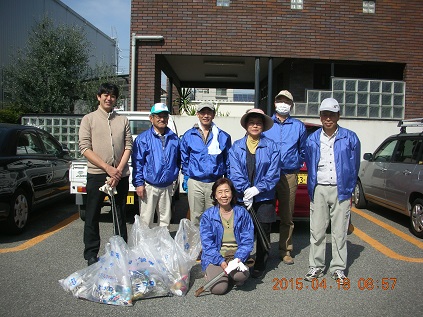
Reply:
x=161 y=116
x=253 y=123
x=205 y=112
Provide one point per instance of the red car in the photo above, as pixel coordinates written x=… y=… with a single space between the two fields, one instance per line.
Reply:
x=302 y=201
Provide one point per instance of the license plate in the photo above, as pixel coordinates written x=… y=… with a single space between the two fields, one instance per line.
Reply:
x=302 y=179
x=130 y=198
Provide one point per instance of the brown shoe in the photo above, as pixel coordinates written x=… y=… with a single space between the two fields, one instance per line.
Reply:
x=287 y=259
x=199 y=256
x=350 y=229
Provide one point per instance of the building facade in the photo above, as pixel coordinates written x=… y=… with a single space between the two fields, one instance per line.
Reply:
x=367 y=54
x=18 y=17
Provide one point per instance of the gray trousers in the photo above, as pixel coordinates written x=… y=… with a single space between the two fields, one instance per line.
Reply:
x=199 y=199
x=326 y=207
x=222 y=284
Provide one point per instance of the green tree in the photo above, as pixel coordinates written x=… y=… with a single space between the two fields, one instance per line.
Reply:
x=45 y=77
x=183 y=102
x=10 y=114
x=101 y=73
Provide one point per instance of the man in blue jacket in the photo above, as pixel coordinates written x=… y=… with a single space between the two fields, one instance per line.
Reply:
x=333 y=161
x=204 y=159
x=290 y=135
x=155 y=166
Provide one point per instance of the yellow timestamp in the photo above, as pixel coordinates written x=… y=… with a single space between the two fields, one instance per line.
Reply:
x=362 y=284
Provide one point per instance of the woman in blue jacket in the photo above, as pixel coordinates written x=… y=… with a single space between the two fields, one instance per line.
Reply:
x=227 y=232
x=255 y=171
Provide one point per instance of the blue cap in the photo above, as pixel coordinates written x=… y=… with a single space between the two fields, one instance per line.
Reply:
x=159 y=107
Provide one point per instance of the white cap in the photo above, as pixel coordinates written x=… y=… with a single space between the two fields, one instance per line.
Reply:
x=329 y=104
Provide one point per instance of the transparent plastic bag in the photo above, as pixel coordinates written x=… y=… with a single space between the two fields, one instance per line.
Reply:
x=152 y=264
x=148 y=276
x=188 y=241
x=107 y=281
x=188 y=246
x=173 y=259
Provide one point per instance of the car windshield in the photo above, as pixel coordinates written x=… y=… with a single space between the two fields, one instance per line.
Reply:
x=385 y=152
x=139 y=126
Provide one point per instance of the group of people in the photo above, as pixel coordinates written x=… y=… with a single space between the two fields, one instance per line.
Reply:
x=231 y=188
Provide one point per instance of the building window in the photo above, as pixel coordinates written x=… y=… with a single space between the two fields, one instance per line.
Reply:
x=359 y=98
x=369 y=6
x=221 y=92
x=297 y=4
x=203 y=90
x=223 y=3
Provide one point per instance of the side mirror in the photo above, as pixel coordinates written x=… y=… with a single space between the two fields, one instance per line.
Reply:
x=368 y=156
x=66 y=153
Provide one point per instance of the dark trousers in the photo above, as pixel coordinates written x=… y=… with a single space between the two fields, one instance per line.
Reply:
x=261 y=254
x=95 y=200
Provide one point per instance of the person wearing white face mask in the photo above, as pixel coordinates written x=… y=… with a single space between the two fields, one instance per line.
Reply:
x=290 y=135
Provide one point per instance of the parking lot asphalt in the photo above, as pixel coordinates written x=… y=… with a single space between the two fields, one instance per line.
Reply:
x=384 y=268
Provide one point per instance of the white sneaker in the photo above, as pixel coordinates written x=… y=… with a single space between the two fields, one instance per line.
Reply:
x=314 y=272
x=339 y=277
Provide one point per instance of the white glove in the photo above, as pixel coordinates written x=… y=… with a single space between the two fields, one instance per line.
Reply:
x=249 y=193
x=248 y=203
x=232 y=265
x=242 y=267
x=109 y=190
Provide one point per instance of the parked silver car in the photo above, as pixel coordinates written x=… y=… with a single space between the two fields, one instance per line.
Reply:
x=393 y=176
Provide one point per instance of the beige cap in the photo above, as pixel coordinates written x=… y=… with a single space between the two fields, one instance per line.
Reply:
x=267 y=121
x=205 y=105
x=286 y=94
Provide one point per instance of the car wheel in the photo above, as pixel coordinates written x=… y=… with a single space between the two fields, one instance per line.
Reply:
x=359 y=200
x=416 y=218
x=19 y=211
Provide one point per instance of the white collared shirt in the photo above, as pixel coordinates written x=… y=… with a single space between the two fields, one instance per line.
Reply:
x=326 y=171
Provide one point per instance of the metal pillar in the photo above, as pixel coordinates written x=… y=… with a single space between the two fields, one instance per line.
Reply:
x=257 y=84
x=170 y=95
x=135 y=38
x=270 y=87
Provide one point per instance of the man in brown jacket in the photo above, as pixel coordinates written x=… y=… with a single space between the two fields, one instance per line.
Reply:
x=105 y=140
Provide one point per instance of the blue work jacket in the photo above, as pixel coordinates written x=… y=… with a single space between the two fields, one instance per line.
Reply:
x=154 y=163
x=197 y=163
x=267 y=166
x=347 y=161
x=211 y=233
x=290 y=137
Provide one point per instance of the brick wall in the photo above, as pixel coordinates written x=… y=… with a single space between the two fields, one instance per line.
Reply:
x=328 y=30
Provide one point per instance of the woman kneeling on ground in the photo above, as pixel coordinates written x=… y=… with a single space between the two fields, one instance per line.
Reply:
x=227 y=233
